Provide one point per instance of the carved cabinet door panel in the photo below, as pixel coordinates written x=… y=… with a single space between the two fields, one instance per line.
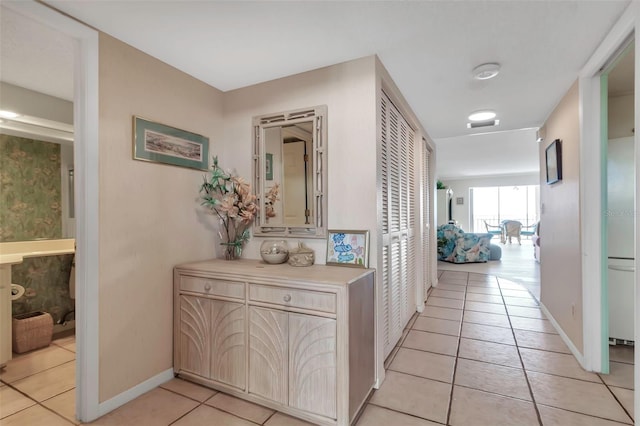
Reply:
x=312 y=364
x=195 y=341
x=268 y=351
x=227 y=343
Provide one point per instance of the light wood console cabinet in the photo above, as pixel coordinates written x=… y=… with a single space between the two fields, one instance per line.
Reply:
x=298 y=340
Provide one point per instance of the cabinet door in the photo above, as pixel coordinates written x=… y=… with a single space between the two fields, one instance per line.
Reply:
x=312 y=364
x=268 y=350
x=227 y=343
x=195 y=342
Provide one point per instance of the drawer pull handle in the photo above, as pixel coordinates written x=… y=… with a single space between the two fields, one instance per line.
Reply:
x=207 y=287
x=287 y=298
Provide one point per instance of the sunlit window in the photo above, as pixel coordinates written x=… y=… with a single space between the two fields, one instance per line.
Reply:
x=498 y=203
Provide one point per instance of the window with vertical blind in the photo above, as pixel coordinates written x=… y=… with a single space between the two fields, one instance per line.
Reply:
x=399 y=222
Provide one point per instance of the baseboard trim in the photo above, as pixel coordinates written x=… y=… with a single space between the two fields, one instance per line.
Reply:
x=576 y=353
x=131 y=394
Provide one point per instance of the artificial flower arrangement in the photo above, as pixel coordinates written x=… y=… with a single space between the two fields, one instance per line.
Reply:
x=230 y=198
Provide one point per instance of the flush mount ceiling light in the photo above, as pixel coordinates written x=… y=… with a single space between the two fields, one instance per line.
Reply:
x=486 y=71
x=484 y=115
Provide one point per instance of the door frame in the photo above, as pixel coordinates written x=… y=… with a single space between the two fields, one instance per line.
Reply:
x=85 y=114
x=593 y=195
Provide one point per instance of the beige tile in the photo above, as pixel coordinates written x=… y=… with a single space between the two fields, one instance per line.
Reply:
x=188 y=389
x=444 y=303
x=625 y=396
x=555 y=417
x=447 y=294
x=62 y=341
x=516 y=293
x=279 y=419
x=70 y=347
x=378 y=416
x=437 y=325
x=620 y=375
x=492 y=308
x=484 y=290
x=564 y=365
x=452 y=287
x=474 y=407
x=35 y=362
x=454 y=281
x=156 y=407
x=545 y=341
x=506 y=381
x=495 y=353
x=509 y=285
x=533 y=324
x=49 y=383
x=486 y=318
x=424 y=364
x=11 y=401
x=64 y=404
x=576 y=395
x=488 y=333
x=455 y=275
x=621 y=353
x=209 y=416
x=442 y=313
x=35 y=416
x=247 y=410
x=482 y=277
x=486 y=298
x=487 y=284
x=432 y=342
x=417 y=396
x=520 y=301
x=521 y=311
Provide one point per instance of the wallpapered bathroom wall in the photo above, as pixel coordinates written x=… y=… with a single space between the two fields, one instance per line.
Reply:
x=30 y=208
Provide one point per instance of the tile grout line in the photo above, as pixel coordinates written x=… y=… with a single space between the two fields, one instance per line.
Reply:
x=524 y=370
x=455 y=363
x=615 y=397
x=9 y=385
x=406 y=414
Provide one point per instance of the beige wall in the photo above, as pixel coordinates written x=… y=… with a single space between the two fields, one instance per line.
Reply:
x=560 y=268
x=149 y=218
x=348 y=90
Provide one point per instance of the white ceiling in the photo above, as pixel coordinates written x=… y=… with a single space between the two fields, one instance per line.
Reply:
x=35 y=56
x=429 y=48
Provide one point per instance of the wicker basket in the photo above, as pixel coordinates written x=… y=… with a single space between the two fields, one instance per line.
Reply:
x=31 y=331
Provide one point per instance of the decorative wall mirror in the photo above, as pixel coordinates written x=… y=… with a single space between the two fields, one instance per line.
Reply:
x=290 y=173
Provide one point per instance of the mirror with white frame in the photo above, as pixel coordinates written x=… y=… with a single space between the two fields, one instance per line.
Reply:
x=290 y=173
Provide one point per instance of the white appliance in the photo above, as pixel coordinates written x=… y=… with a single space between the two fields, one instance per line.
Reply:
x=621 y=238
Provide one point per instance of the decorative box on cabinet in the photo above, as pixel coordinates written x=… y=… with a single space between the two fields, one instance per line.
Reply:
x=298 y=340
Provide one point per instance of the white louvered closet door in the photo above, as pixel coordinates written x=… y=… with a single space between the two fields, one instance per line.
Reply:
x=399 y=222
x=426 y=225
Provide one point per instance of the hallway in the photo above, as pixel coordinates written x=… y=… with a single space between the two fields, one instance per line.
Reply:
x=487 y=356
x=481 y=354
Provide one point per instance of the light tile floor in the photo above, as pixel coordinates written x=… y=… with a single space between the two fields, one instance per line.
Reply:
x=481 y=353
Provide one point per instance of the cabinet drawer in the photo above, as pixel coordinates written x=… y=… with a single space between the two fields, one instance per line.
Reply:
x=305 y=299
x=233 y=289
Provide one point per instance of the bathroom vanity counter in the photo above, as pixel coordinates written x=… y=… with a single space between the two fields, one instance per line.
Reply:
x=13 y=253
x=297 y=339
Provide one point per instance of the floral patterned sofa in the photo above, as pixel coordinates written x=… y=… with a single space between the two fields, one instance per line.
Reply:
x=457 y=246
